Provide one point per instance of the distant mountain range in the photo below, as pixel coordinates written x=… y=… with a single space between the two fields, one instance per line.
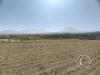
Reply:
x=26 y=31
x=42 y=31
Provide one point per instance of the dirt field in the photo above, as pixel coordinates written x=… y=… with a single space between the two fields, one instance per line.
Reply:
x=49 y=57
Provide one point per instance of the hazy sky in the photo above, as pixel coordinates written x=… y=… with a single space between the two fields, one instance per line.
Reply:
x=50 y=15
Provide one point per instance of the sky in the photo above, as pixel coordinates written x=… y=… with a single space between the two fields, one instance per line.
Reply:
x=50 y=15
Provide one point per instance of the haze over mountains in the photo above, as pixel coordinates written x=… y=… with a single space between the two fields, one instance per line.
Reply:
x=26 y=31
x=43 y=31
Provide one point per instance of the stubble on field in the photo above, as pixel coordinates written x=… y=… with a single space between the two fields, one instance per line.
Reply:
x=48 y=57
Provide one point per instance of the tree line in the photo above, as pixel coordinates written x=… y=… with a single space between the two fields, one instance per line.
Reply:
x=89 y=36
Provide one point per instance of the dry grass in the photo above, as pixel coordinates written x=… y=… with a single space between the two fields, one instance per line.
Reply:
x=48 y=57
